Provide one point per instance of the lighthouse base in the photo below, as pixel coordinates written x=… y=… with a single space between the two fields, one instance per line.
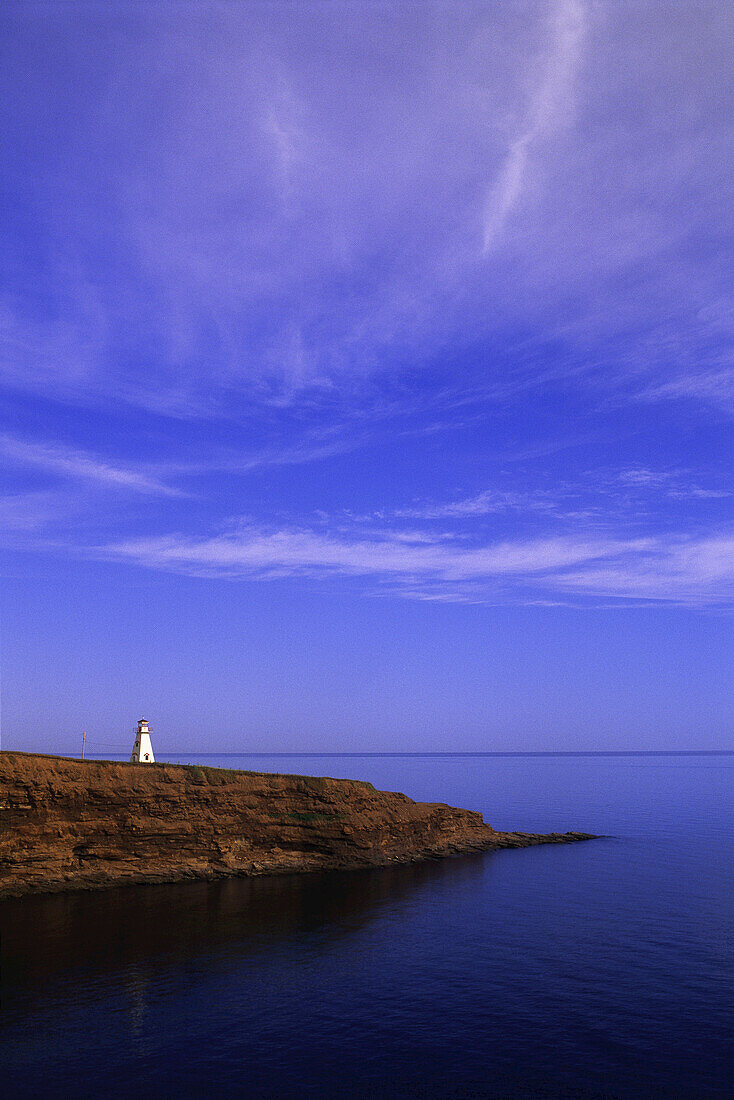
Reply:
x=142 y=750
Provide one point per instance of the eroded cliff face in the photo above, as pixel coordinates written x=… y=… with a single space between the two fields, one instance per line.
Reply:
x=71 y=824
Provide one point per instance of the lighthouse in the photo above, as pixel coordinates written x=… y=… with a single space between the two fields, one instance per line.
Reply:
x=142 y=749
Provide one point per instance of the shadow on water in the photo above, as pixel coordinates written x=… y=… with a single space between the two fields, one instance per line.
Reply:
x=46 y=940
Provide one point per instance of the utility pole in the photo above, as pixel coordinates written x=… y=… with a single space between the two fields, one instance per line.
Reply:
x=84 y=737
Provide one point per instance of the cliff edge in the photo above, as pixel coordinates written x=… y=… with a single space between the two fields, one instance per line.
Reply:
x=77 y=825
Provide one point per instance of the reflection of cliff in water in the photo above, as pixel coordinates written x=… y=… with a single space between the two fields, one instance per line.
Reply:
x=51 y=938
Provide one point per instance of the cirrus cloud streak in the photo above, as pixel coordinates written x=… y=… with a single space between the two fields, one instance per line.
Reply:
x=691 y=571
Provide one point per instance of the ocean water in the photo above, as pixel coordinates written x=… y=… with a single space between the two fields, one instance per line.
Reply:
x=597 y=969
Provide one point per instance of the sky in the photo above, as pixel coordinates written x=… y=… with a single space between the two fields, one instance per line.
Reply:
x=366 y=375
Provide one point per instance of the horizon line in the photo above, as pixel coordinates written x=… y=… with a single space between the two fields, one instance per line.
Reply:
x=438 y=753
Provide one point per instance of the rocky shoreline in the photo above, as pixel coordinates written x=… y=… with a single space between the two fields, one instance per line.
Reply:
x=69 y=824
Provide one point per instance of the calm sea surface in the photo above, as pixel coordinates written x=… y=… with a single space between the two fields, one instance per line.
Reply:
x=597 y=969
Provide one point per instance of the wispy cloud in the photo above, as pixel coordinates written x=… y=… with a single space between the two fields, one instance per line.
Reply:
x=79 y=465
x=253 y=550
x=714 y=386
x=674 y=484
x=550 y=103
x=271 y=250
x=612 y=535
x=30 y=512
x=677 y=570
x=311 y=448
x=683 y=571
x=598 y=493
x=485 y=503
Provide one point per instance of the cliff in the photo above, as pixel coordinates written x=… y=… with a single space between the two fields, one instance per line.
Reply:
x=74 y=825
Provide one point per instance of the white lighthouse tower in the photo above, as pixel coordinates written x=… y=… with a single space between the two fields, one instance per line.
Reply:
x=142 y=749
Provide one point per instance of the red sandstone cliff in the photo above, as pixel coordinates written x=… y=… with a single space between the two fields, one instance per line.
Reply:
x=71 y=824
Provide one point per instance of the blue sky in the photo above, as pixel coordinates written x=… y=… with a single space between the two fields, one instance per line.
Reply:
x=366 y=375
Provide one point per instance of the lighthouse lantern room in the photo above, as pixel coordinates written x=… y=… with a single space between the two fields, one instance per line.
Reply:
x=142 y=749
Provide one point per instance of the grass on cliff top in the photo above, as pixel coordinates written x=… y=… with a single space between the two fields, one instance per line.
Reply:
x=199 y=774
x=216 y=777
